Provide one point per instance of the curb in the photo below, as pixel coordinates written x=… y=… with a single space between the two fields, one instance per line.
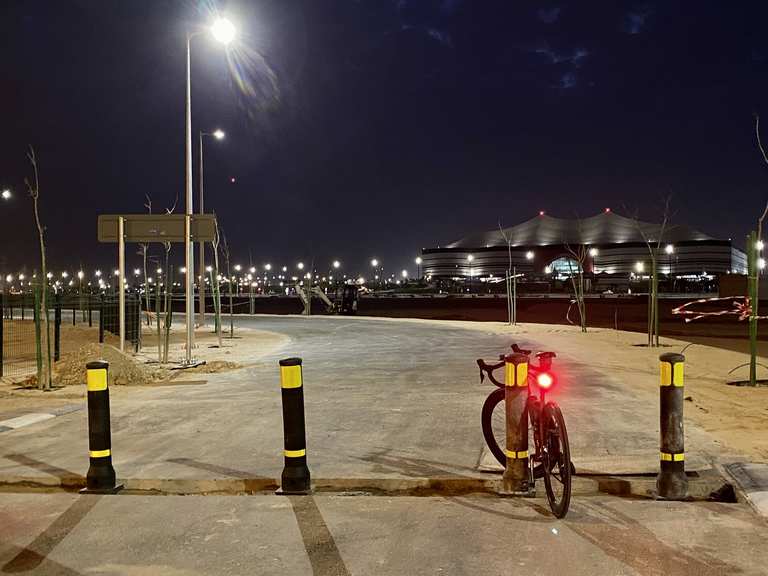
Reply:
x=634 y=487
x=35 y=417
x=752 y=480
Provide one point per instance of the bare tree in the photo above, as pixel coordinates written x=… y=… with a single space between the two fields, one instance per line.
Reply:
x=168 y=289
x=654 y=250
x=579 y=254
x=143 y=251
x=754 y=276
x=511 y=280
x=43 y=377
x=215 y=281
x=226 y=253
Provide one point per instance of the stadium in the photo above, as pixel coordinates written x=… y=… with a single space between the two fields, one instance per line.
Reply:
x=615 y=250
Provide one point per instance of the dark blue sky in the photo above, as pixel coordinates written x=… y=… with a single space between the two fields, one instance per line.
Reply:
x=377 y=127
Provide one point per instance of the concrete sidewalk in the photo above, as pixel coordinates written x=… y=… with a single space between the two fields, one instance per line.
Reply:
x=67 y=534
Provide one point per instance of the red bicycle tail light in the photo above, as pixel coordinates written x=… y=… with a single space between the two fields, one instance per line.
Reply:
x=545 y=380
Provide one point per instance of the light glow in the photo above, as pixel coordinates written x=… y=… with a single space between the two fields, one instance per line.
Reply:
x=545 y=380
x=223 y=30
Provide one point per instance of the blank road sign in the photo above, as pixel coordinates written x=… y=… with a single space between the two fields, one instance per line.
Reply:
x=146 y=228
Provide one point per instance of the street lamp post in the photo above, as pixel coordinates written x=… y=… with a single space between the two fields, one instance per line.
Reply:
x=224 y=32
x=470 y=259
x=219 y=135
x=418 y=267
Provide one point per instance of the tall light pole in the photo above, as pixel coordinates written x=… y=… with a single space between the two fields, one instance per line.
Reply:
x=418 y=267
x=219 y=135
x=374 y=264
x=470 y=259
x=224 y=31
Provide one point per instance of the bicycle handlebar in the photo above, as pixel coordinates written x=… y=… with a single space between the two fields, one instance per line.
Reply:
x=489 y=368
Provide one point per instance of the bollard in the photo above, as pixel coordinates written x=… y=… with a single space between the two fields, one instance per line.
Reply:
x=295 y=477
x=671 y=483
x=57 y=328
x=101 y=474
x=515 y=479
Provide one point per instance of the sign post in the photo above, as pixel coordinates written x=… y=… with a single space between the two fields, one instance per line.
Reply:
x=146 y=228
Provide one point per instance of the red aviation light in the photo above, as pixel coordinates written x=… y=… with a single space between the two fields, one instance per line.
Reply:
x=545 y=380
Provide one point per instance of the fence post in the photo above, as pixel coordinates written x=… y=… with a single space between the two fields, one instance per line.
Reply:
x=2 y=321
x=515 y=478
x=100 y=478
x=90 y=316
x=57 y=328
x=295 y=477
x=671 y=483
x=101 y=318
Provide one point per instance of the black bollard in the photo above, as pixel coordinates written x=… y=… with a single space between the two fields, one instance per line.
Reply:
x=101 y=474
x=671 y=483
x=295 y=477
x=515 y=479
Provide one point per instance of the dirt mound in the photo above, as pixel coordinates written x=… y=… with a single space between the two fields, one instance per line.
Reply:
x=123 y=369
x=215 y=366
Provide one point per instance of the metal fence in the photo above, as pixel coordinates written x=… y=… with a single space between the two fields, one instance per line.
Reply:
x=18 y=330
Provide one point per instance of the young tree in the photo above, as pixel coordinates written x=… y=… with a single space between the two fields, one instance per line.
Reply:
x=43 y=376
x=579 y=254
x=215 y=282
x=511 y=280
x=225 y=252
x=754 y=276
x=143 y=252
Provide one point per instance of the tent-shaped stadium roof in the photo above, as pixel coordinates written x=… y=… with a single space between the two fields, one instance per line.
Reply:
x=601 y=229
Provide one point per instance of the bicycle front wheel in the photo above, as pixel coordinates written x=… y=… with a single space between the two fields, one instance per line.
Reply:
x=557 y=461
x=494 y=424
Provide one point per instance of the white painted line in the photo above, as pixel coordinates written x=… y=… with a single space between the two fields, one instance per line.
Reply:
x=26 y=420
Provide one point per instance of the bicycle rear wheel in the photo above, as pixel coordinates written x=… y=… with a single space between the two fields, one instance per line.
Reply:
x=557 y=461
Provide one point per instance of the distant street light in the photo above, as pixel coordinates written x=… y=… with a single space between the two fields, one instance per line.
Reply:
x=593 y=252
x=418 y=261
x=300 y=265
x=6 y=194
x=267 y=267
x=669 y=249
x=336 y=263
x=529 y=255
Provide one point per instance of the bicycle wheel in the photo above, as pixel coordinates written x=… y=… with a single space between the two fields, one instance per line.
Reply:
x=557 y=460
x=494 y=419
x=494 y=424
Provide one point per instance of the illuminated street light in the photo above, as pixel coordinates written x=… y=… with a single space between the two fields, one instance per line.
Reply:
x=759 y=244
x=6 y=194
x=285 y=268
x=639 y=266
x=470 y=258
x=81 y=274
x=219 y=134
x=136 y=272
x=300 y=265
x=238 y=267
x=49 y=275
x=98 y=273
x=223 y=30
x=404 y=273
x=209 y=268
x=669 y=249
x=9 y=278
x=374 y=262
x=267 y=267
x=418 y=260
x=761 y=263
x=593 y=252
x=529 y=255
x=252 y=270
x=64 y=274
x=183 y=269
x=336 y=263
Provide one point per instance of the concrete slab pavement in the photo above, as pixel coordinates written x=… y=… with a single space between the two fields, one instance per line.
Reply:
x=69 y=534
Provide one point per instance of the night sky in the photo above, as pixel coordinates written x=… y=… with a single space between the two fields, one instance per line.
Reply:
x=361 y=128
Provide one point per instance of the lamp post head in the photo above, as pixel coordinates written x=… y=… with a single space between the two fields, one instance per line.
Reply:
x=669 y=249
x=336 y=263
x=6 y=194
x=374 y=262
x=593 y=252
x=418 y=260
x=223 y=30
x=219 y=134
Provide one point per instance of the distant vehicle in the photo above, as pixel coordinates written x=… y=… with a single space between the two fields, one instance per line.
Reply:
x=349 y=299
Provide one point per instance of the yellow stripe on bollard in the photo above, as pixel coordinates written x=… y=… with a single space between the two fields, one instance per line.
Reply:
x=522 y=374
x=666 y=457
x=513 y=454
x=295 y=453
x=100 y=453
x=290 y=376
x=509 y=374
x=672 y=376
x=96 y=380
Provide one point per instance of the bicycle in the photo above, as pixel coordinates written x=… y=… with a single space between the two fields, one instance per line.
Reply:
x=551 y=458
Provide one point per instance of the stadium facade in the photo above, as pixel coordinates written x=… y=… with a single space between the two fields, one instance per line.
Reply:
x=615 y=245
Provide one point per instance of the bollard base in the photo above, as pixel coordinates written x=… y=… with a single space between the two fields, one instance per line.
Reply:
x=287 y=492
x=114 y=490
